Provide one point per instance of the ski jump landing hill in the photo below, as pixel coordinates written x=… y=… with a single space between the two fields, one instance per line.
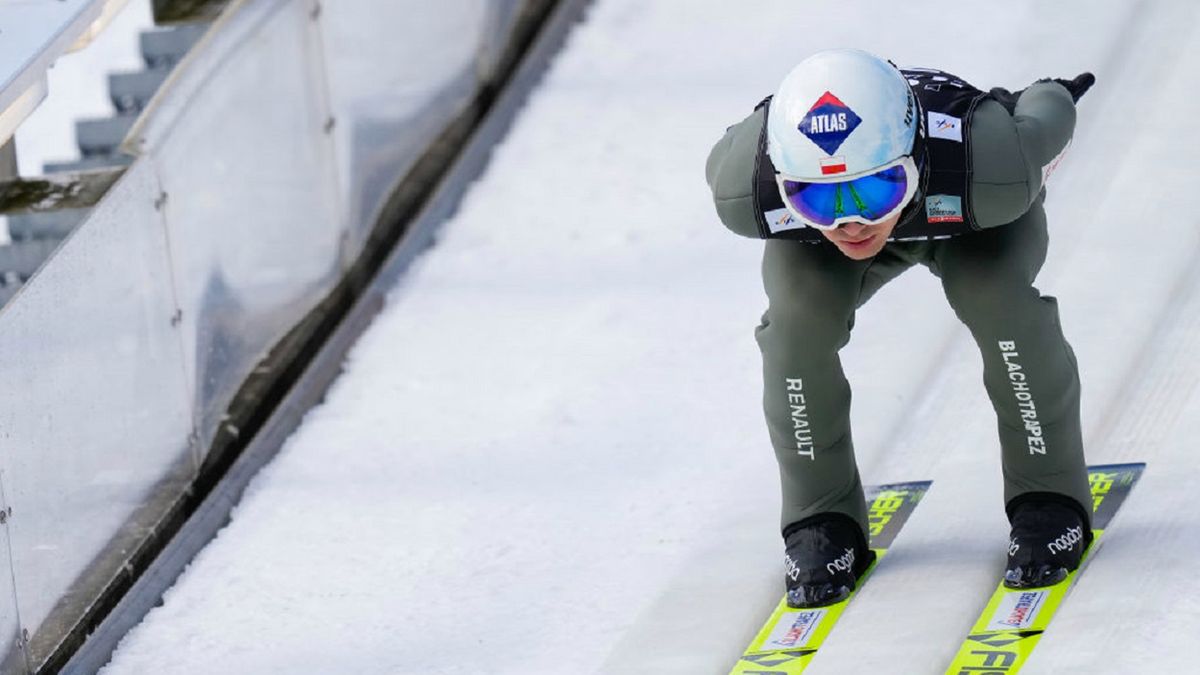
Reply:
x=546 y=455
x=257 y=195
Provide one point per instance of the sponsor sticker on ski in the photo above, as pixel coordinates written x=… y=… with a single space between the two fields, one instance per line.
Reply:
x=1013 y=622
x=795 y=629
x=791 y=637
x=1018 y=610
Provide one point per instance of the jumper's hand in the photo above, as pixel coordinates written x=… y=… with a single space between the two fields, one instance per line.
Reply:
x=1078 y=86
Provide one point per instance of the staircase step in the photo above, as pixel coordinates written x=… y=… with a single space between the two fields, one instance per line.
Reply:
x=165 y=47
x=102 y=136
x=87 y=164
x=130 y=92
x=44 y=224
x=23 y=258
x=7 y=291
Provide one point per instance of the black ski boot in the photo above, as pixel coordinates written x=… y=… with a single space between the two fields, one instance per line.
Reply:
x=1049 y=536
x=826 y=554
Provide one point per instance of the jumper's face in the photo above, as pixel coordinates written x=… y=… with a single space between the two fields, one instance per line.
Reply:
x=859 y=241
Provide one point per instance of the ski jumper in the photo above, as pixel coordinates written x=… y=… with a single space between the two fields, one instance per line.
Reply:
x=978 y=224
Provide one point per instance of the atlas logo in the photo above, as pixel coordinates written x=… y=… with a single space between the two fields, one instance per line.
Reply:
x=824 y=124
x=1066 y=541
x=828 y=123
x=841 y=564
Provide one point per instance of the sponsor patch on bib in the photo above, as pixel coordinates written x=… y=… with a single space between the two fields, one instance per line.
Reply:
x=943 y=209
x=945 y=126
x=781 y=220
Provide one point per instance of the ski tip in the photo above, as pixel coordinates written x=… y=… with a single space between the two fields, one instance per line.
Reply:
x=910 y=485
x=1123 y=466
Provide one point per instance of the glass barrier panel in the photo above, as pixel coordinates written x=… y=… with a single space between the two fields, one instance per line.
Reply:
x=392 y=97
x=12 y=659
x=94 y=411
x=247 y=167
x=504 y=14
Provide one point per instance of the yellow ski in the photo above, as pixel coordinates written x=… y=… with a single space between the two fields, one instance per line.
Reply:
x=1013 y=621
x=790 y=637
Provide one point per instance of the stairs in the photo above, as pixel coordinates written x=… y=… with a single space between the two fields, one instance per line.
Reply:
x=98 y=139
x=35 y=234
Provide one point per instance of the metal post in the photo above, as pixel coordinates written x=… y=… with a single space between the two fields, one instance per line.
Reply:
x=8 y=159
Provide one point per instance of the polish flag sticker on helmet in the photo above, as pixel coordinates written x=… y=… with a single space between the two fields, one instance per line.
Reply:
x=833 y=165
x=828 y=123
x=945 y=126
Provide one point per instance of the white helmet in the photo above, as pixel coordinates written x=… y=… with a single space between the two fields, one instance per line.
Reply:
x=840 y=112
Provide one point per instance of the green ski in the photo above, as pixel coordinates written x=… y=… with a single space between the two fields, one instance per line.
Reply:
x=1013 y=621
x=788 y=640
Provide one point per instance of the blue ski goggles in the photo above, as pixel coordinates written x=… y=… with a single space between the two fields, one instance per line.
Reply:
x=868 y=198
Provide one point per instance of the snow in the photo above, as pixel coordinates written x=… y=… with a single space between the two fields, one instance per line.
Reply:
x=547 y=454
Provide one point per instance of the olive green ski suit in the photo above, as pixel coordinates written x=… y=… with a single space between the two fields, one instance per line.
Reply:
x=813 y=291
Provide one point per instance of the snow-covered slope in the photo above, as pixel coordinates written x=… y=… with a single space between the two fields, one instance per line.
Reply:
x=547 y=455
